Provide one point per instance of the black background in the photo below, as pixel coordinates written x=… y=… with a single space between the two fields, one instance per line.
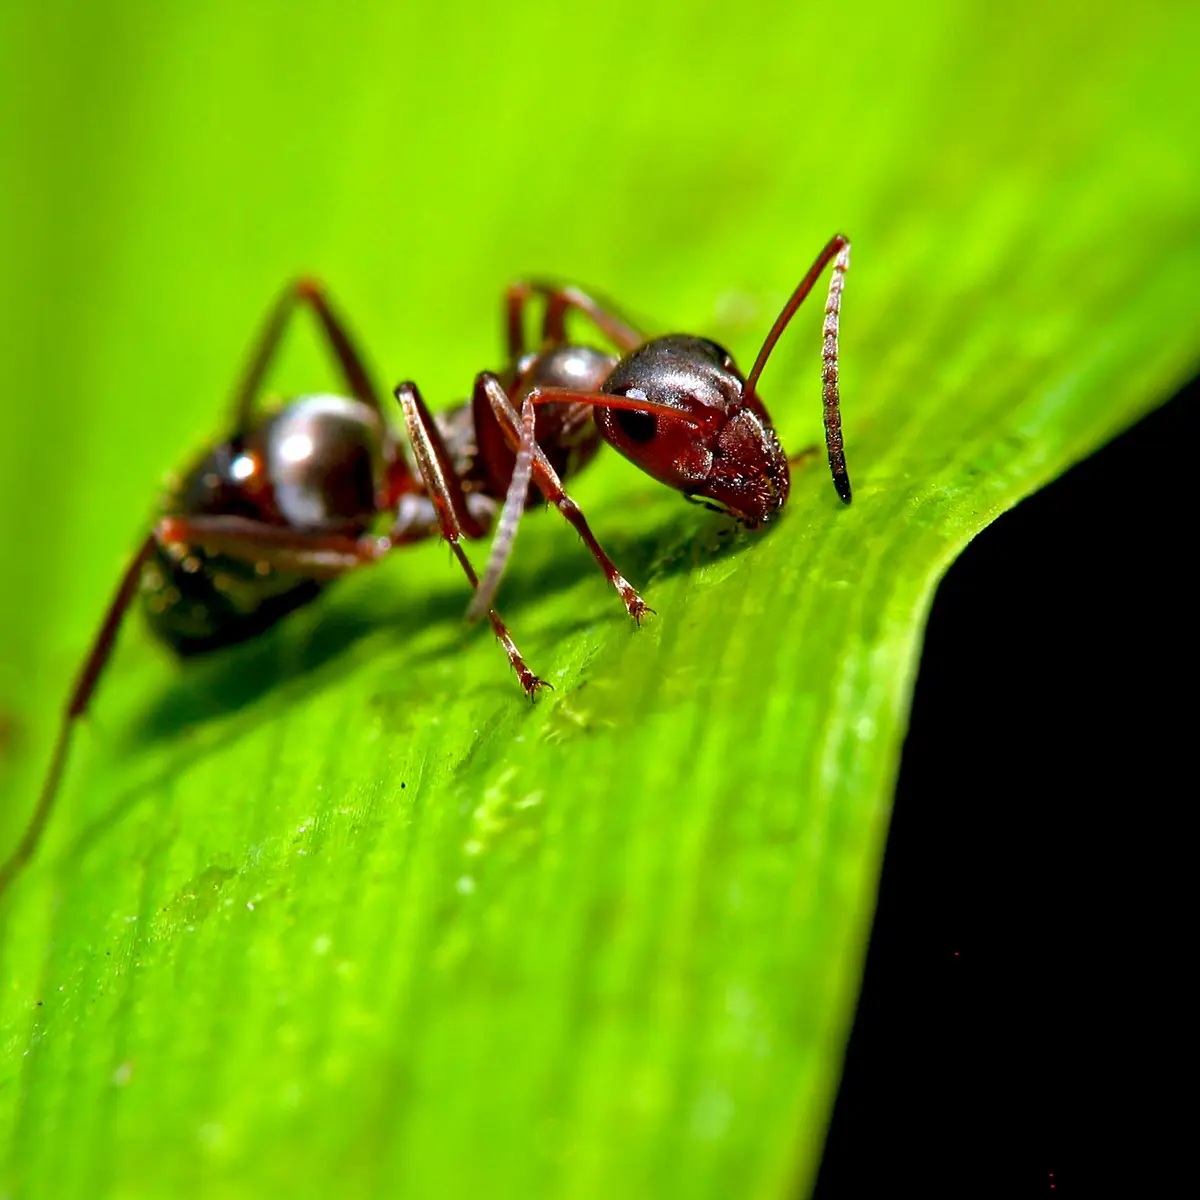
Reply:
x=1015 y=1033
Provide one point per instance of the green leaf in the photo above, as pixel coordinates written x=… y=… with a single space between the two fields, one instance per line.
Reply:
x=338 y=912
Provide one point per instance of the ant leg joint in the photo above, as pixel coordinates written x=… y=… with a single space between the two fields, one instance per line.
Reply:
x=309 y=287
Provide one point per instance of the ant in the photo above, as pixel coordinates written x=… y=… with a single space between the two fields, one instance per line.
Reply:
x=288 y=501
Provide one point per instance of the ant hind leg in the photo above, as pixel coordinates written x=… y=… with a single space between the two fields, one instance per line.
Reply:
x=77 y=705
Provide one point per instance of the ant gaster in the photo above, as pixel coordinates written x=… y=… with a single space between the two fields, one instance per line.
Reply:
x=289 y=500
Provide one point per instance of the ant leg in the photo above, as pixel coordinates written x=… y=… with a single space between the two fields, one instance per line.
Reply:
x=559 y=300
x=837 y=249
x=81 y=694
x=515 y=498
x=445 y=490
x=518 y=432
x=280 y=548
x=317 y=556
x=312 y=293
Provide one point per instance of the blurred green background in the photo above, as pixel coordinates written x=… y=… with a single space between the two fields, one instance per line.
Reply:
x=653 y=986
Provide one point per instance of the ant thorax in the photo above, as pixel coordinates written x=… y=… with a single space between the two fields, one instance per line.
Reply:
x=565 y=431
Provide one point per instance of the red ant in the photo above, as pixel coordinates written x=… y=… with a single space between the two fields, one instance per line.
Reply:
x=287 y=502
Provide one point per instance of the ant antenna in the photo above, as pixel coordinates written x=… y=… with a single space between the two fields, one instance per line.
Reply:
x=838 y=249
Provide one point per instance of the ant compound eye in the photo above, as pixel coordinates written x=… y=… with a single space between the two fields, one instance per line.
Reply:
x=638 y=427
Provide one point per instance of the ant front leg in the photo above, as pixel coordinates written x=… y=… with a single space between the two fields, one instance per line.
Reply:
x=444 y=489
x=77 y=706
x=531 y=462
x=559 y=301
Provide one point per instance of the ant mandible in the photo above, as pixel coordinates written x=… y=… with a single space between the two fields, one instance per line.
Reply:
x=675 y=406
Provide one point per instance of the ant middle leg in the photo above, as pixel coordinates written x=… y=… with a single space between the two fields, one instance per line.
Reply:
x=313 y=555
x=277 y=547
x=77 y=706
x=445 y=490
x=533 y=463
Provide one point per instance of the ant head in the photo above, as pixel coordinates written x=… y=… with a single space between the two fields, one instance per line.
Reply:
x=684 y=421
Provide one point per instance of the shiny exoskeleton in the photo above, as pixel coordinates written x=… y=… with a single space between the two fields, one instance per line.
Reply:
x=293 y=498
x=318 y=465
x=739 y=467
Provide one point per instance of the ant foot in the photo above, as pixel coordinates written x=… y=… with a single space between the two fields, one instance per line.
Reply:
x=635 y=606
x=638 y=608
x=532 y=684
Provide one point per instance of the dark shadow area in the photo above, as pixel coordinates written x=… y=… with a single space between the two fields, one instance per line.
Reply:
x=1019 y=996
x=311 y=641
x=228 y=680
x=299 y=647
x=308 y=648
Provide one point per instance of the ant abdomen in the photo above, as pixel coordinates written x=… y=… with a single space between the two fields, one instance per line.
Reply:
x=196 y=602
x=323 y=460
x=315 y=466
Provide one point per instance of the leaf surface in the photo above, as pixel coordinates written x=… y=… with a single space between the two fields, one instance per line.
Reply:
x=337 y=912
